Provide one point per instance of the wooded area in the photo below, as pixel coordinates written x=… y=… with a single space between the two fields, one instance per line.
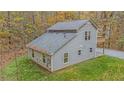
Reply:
x=19 y=28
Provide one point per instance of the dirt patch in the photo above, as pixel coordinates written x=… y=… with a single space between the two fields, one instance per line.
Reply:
x=5 y=58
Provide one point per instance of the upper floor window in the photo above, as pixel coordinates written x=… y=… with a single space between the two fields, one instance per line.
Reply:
x=87 y=35
x=65 y=57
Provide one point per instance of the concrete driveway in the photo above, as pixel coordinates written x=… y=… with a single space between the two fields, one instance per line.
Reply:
x=110 y=52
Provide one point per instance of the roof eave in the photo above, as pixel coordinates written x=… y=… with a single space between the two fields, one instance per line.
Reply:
x=95 y=26
x=39 y=49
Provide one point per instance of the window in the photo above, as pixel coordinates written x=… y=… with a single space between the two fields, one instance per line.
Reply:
x=44 y=60
x=65 y=57
x=79 y=52
x=91 y=50
x=48 y=61
x=49 y=58
x=87 y=35
x=32 y=53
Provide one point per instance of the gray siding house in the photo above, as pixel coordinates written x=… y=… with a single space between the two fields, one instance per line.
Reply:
x=64 y=44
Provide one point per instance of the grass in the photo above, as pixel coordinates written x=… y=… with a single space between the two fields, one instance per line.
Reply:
x=101 y=68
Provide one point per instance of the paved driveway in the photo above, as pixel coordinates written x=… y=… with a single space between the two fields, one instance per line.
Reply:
x=110 y=52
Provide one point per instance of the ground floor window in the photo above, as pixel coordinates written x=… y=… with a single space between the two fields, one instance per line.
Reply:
x=79 y=52
x=48 y=61
x=32 y=53
x=65 y=57
x=44 y=59
x=91 y=50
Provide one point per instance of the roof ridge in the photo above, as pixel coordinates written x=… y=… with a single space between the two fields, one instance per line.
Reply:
x=73 y=24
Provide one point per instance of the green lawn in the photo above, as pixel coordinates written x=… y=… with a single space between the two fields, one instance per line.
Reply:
x=101 y=68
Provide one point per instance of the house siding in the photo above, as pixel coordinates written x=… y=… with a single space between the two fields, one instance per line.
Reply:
x=78 y=43
x=37 y=58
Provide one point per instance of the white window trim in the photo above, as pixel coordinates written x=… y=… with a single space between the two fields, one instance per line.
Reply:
x=68 y=58
x=80 y=52
x=43 y=58
x=91 y=50
x=32 y=53
x=87 y=36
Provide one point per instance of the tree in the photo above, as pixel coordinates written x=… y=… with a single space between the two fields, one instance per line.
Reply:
x=121 y=42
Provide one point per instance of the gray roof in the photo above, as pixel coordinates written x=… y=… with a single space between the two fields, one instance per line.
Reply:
x=51 y=42
x=71 y=25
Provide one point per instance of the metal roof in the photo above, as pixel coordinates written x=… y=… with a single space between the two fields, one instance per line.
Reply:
x=51 y=42
x=71 y=25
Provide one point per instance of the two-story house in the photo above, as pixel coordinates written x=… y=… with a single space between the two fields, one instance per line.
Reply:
x=64 y=44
